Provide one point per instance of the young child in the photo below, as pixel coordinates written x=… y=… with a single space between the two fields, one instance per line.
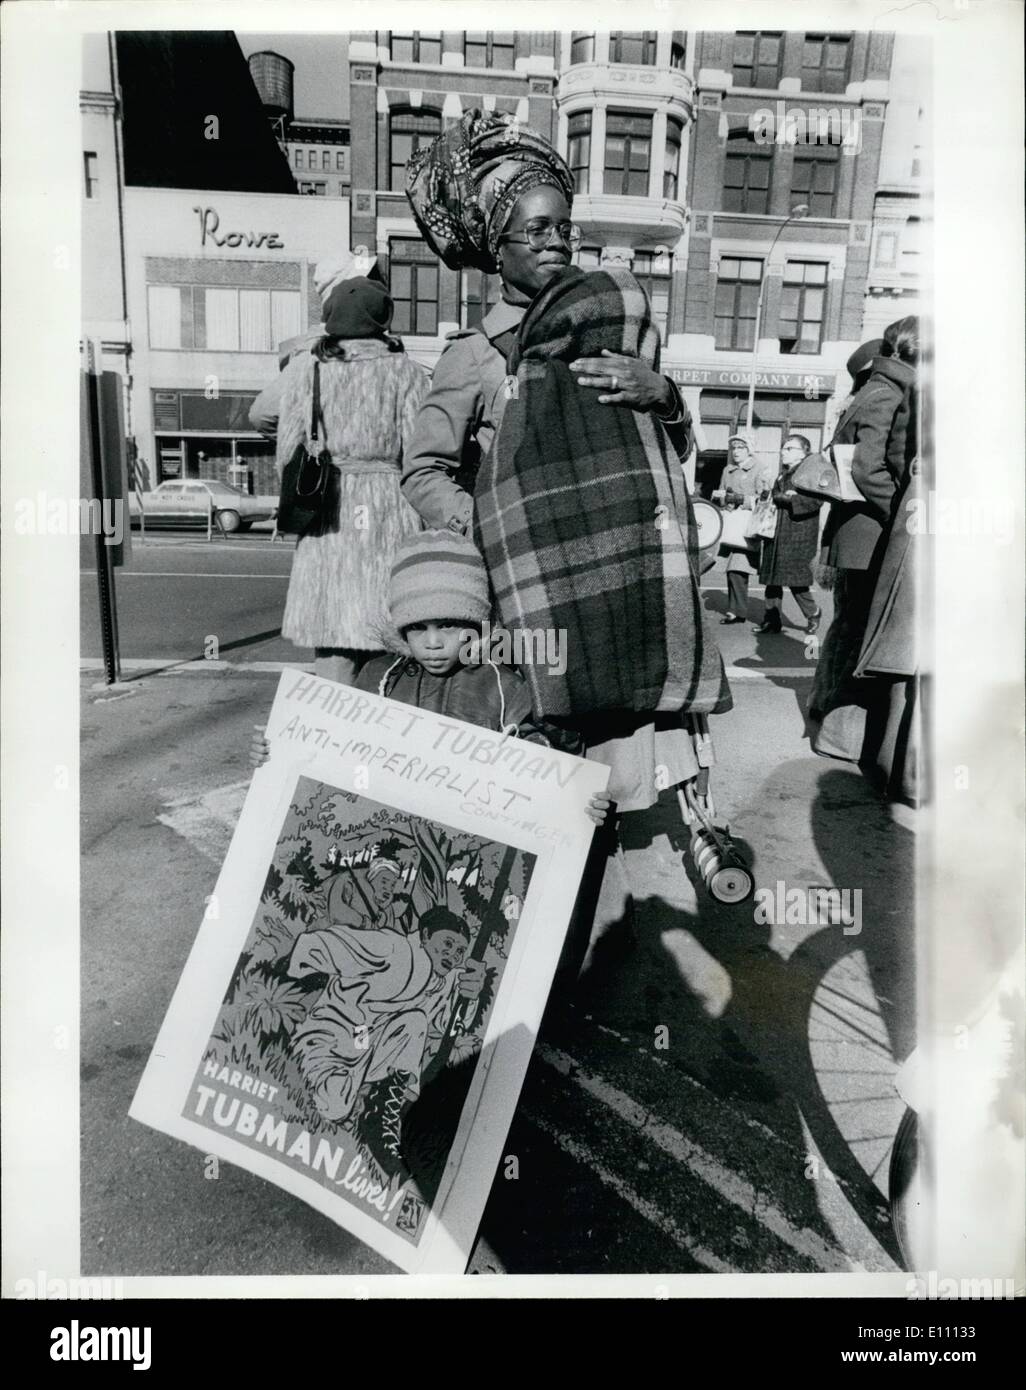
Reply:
x=438 y=603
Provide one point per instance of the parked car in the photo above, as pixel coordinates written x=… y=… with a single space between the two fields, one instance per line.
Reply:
x=187 y=502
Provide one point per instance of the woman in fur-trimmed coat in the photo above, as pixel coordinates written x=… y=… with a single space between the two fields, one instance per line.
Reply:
x=370 y=393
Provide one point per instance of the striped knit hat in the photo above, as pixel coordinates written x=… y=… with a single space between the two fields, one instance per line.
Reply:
x=438 y=574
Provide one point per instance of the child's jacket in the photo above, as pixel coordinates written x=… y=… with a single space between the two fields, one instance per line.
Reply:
x=489 y=695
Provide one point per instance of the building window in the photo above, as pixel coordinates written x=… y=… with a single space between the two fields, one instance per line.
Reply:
x=589 y=257
x=579 y=149
x=671 y=157
x=489 y=50
x=679 y=52
x=814 y=178
x=655 y=276
x=757 y=58
x=481 y=293
x=825 y=62
x=633 y=48
x=314 y=190
x=418 y=47
x=582 y=48
x=89 y=171
x=408 y=131
x=802 y=306
x=737 y=300
x=747 y=169
x=325 y=159
x=299 y=159
x=910 y=247
x=413 y=285
x=628 y=153
x=886 y=249
x=204 y=319
x=165 y=316
x=340 y=160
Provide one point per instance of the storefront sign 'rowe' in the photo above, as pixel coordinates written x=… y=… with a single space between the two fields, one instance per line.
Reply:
x=209 y=223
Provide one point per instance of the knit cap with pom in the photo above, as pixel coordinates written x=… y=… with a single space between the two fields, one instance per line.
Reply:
x=438 y=574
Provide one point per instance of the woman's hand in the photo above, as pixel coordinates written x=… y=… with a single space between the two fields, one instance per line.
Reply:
x=259 y=748
x=626 y=380
x=598 y=807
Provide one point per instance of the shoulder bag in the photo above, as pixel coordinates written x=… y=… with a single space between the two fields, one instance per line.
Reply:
x=306 y=491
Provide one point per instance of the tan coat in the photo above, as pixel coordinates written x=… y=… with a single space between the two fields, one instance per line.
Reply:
x=338 y=589
x=457 y=421
x=757 y=476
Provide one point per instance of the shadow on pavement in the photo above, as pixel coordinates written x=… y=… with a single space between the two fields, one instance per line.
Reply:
x=738 y=1012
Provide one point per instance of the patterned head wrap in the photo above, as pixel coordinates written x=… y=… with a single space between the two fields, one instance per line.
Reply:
x=464 y=186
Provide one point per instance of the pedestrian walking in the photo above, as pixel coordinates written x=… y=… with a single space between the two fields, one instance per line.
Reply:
x=787 y=556
x=745 y=482
x=370 y=392
x=889 y=659
x=880 y=423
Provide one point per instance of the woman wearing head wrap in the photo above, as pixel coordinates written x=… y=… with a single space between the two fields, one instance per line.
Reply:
x=369 y=392
x=493 y=196
x=582 y=547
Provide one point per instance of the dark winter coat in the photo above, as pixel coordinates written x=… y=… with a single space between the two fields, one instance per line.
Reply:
x=880 y=422
x=787 y=558
x=490 y=695
x=889 y=648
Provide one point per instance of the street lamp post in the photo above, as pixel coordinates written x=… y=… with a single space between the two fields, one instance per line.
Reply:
x=801 y=210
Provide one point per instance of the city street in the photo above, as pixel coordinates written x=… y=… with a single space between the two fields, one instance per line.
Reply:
x=717 y=1097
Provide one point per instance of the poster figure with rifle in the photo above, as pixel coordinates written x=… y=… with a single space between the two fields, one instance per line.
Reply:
x=368 y=974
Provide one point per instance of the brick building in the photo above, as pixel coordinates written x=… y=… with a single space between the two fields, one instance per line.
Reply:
x=899 y=258
x=689 y=152
x=784 y=121
x=316 y=147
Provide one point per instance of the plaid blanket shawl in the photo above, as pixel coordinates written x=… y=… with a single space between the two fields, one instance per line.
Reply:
x=583 y=518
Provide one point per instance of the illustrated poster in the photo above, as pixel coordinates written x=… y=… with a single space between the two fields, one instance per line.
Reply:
x=359 y=1008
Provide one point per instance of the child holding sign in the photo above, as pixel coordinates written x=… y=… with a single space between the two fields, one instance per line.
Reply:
x=439 y=603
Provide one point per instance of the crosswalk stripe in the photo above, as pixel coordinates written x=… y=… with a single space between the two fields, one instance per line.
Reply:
x=175 y=666
x=729 y=1186
x=590 y=1160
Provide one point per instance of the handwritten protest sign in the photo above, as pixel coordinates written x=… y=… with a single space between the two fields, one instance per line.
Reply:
x=358 y=1010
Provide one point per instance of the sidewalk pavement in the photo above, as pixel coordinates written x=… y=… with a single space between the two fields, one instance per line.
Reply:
x=783 y=1035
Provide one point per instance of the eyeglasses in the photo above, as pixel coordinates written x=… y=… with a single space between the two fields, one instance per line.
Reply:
x=538 y=235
